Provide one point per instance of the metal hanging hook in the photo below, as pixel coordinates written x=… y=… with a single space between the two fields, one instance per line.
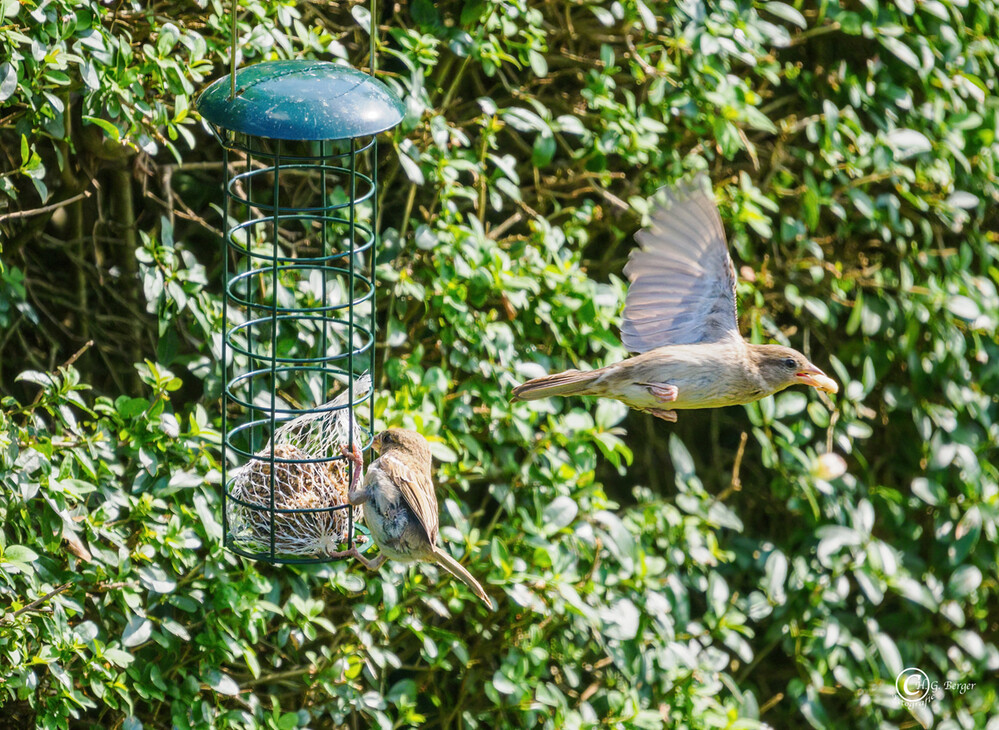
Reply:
x=232 y=54
x=372 y=29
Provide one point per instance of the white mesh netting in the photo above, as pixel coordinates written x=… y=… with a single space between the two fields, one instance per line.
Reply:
x=308 y=485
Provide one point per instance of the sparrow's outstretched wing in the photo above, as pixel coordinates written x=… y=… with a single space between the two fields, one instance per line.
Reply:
x=682 y=287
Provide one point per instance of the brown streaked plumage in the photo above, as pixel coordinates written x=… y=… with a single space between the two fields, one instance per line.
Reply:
x=400 y=506
x=680 y=316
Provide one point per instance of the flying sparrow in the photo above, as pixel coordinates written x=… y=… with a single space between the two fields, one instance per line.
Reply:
x=400 y=507
x=680 y=315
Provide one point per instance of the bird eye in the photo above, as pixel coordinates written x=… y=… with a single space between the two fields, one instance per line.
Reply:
x=789 y=363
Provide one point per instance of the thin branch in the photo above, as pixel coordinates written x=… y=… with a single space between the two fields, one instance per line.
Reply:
x=772 y=702
x=736 y=484
x=73 y=358
x=9 y=618
x=46 y=208
x=499 y=230
x=279 y=676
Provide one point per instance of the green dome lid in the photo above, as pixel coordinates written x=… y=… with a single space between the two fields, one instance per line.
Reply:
x=301 y=100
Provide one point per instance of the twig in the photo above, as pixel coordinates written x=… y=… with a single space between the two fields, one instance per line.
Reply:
x=105 y=587
x=613 y=199
x=188 y=166
x=409 y=210
x=736 y=483
x=72 y=359
x=830 y=431
x=597 y=547
x=769 y=704
x=76 y=355
x=750 y=148
x=499 y=230
x=279 y=676
x=45 y=208
x=812 y=32
x=760 y=656
x=9 y=618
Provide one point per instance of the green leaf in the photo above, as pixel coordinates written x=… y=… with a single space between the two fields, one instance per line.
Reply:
x=155 y=579
x=442 y=452
x=33 y=376
x=905 y=54
x=889 y=652
x=8 y=81
x=907 y=143
x=786 y=12
x=647 y=16
x=683 y=463
x=538 y=63
x=131 y=407
x=916 y=592
x=963 y=199
x=833 y=538
x=136 y=632
x=524 y=120
x=621 y=620
x=222 y=683
x=963 y=307
x=559 y=513
x=118 y=657
x=622 y=542
x=775 y=576
x=927 y=491
x=964 y=581
x=718 y=593
x=604 y=16
x=410 y=166
x=403 y=692
x=19 y=554
x=789 y=403
x=570 y=124
x=110 y=130
x=502 y=684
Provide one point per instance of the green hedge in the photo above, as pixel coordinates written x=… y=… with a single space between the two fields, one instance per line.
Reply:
x=715 y=573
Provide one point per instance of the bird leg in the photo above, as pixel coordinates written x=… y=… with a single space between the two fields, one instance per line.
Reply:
x=663 y=392
x=355 y=553
x=663 y=414
x=354 y=496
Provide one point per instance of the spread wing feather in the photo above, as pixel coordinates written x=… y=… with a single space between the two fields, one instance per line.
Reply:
x=682 y=287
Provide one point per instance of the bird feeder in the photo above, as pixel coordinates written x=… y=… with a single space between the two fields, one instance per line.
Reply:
x=298 y=342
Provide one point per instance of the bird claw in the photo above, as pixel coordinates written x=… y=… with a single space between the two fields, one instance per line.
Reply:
x=663 y=392
x=355 y=553
x=354 y=454
x=356 y=460
x=663 y=414
x=337 y=555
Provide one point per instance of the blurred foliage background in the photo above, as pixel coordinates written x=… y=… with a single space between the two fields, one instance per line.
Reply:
x=716 y=573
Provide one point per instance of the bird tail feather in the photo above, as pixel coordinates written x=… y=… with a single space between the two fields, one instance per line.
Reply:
x=456 y=569
x=571 y=382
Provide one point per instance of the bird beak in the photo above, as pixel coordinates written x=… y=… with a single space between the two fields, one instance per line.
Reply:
x=817 y=379
x=376 y=444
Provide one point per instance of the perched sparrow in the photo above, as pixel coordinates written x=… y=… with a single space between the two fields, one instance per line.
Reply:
x=400 y=507
x=680 y=315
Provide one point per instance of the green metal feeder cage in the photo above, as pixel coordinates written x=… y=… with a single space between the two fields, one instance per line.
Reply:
x=300 y=161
